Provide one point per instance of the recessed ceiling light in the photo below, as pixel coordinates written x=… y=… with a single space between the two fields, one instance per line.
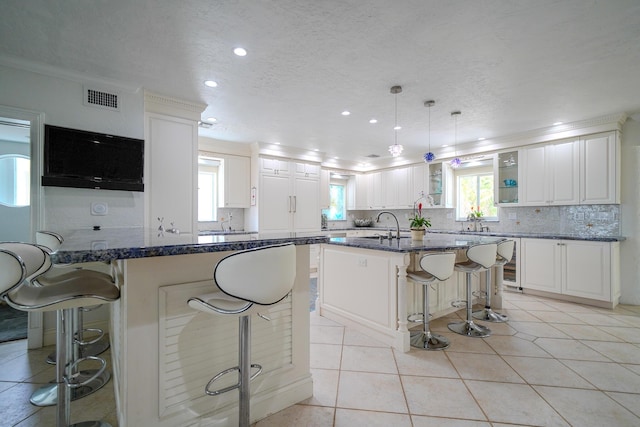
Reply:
x=277 y=143
x=345 y=113
x=211 y=119
x=557 y=123
x=482 y=138
x=373 y=121
x=240 y=51
x=445 y=145
x=316 y=149
x=397 y=128
x=336 y=158
x=210 y=83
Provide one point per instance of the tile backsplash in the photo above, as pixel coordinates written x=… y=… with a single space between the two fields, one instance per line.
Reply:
x=587 y=220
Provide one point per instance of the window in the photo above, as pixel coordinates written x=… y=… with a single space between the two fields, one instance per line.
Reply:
x=475 y=193
x=15 y=181
x=336 y=211
x=207 y=189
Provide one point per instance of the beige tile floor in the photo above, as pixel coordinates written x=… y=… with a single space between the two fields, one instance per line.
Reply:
x=552 y=364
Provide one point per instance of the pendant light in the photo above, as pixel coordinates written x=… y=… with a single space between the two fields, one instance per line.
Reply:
x=429 y=156
x=455 y=162
x=396 y=148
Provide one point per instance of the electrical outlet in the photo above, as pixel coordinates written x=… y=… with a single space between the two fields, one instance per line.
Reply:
x=99 y=208
x=362 y=262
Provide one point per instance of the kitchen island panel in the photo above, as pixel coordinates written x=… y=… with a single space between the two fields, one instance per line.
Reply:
x=146 y=397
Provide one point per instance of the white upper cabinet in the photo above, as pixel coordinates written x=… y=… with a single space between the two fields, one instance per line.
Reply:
x=600 y=173
x=273 y=166
x=307 y=170
x=441 y=185
x=550 y=174
x=404 y=188
x=235 y=186
x=325 y=181
x=507 y=178
x=419 y=182
x=572 y=172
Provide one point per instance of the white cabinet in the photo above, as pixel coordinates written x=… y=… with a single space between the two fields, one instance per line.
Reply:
x=419 y=182
x=288 y=202
x=235 y=185
x=376 y=191
x=441 y=185
x=574 y=268
x=506 y=168
x=357 y=192
x=403 y=181
x=600 y=173
x=325 y=181
x=550 y=174
x=171 y=171
x=307 y=170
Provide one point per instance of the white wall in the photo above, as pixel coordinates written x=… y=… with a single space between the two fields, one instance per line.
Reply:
x=60 y=99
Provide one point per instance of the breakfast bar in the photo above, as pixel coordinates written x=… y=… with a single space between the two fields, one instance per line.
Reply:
x=164 y=352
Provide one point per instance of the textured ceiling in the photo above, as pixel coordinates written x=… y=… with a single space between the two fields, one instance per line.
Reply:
x=509 y=66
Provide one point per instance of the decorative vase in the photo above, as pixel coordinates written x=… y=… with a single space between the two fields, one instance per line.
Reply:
x=417 y=233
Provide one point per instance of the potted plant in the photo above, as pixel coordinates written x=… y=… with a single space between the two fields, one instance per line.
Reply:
x=419 y=224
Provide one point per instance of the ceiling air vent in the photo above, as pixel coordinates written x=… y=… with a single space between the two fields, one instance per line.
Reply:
x=373 y=156
x=100 y=98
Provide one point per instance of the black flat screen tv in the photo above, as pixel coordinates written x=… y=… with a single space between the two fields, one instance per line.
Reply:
x=82 y=159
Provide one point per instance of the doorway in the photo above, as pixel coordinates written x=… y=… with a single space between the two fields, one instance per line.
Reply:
x=20 y=203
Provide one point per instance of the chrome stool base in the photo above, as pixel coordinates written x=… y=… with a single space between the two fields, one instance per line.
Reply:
x=489 y=315
x=87 y=350
x=428 y=341
x=470 y=329
x=47 y=395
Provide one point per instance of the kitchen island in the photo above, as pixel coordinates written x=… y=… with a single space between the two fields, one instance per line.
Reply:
x=164 y=353
x=363 y=282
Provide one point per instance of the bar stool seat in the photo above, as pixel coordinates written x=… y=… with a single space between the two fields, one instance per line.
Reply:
x=480 y=257
x=249 y=281
x=436 y=266
x=20 y=265
x=504 y=255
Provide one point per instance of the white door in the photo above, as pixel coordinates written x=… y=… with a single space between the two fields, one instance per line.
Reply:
x=306 y=204
x=275 y=199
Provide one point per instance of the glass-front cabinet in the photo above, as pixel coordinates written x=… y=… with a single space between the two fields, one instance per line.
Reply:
x=506 y=178
x=440 y=185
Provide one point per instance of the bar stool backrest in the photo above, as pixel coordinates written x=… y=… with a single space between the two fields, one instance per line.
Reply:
x=20 y=262
x=505 y=251
x=49 y=239
x=439 y=265
x=262 y=276
x=483 y=254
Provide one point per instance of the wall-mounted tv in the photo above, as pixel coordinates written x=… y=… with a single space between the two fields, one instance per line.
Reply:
x=82 y=159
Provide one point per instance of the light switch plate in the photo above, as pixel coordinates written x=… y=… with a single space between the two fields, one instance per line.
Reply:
x=99 y=208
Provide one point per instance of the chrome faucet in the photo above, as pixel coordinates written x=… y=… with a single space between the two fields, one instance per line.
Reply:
x=397 y=223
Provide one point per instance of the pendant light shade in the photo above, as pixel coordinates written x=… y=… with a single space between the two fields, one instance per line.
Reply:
x=429 y=156
x=396 y=148
x=455 y=162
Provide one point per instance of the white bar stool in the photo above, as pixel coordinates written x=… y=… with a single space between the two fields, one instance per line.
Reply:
x=436 y=266
x=21 y=263
x=479 y=258
x=249 y=281
x=505 y=253
x=82 y=347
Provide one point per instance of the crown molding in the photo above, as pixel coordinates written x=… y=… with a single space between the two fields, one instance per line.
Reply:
x=163 y=104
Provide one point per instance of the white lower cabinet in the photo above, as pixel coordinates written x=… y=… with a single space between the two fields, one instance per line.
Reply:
x=573 y=268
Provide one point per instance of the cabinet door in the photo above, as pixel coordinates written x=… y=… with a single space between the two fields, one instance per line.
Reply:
x=274 y=166
x=534 y=184
x=587 y=269
x=600 y=174
x=419 y=182
x=307 y=170
x=564 y=172
x=362 y=191
x=275 y=203
x=404 y=188
x=237 y=178
x=506 y=178
x=325 y=199
x=376 y=190
x=305 y=204
x=172 y=173
x=541 y=265
x=390 y=189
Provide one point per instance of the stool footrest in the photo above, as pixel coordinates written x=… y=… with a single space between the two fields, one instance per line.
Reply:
x=459 y=303
x=98 y=331
x=231 y=387
x=70 y=380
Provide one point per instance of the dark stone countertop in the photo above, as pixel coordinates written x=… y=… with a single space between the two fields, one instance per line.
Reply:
x=126 y=243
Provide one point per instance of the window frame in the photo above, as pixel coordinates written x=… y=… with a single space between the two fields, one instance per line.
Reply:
x=478 y=172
